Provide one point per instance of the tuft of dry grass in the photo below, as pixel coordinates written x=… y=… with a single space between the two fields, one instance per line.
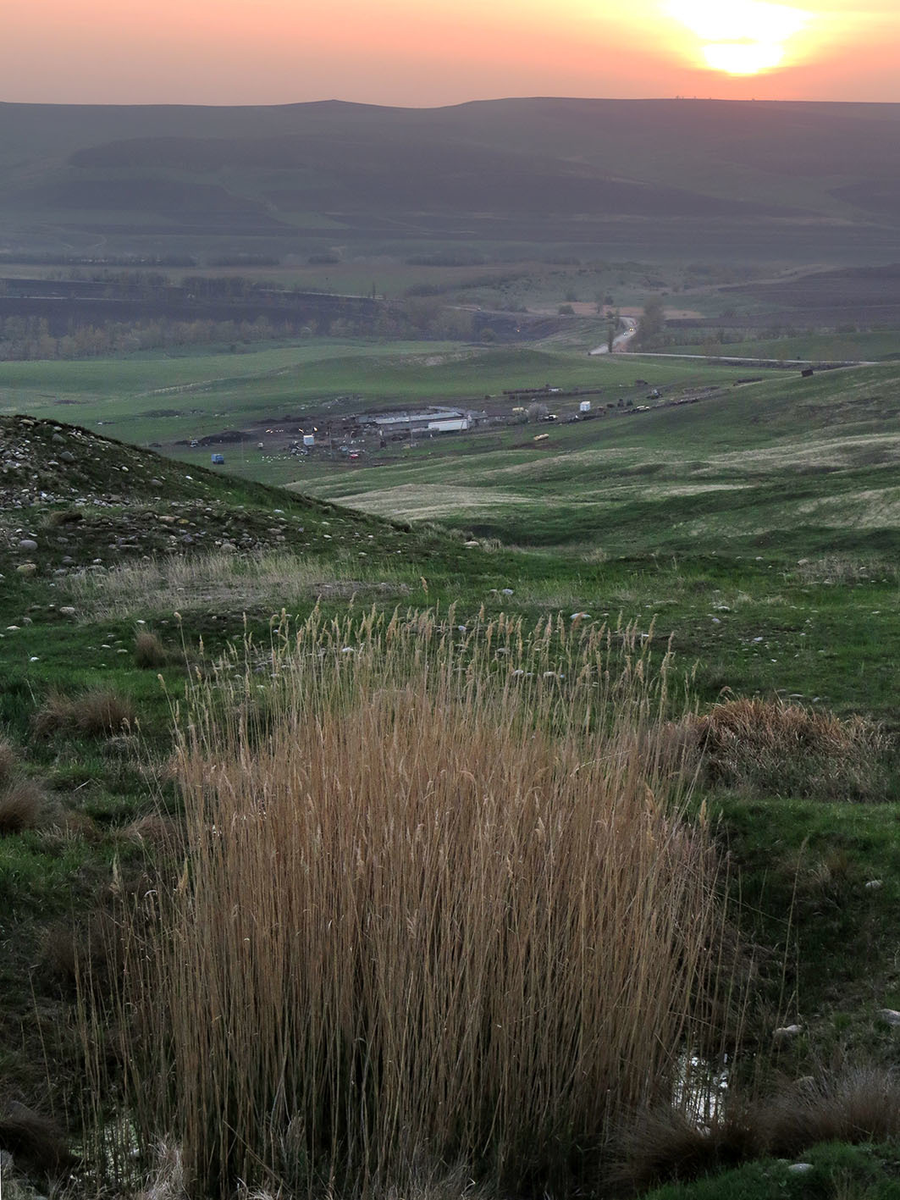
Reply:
x=99 y=712
x=441 y=907
x=859 y=1104
x=35 y=1142
x=8 y=762
x=83 y=955
x=167 y=1181
x=60 y=517
x=781 y=749
x=22 y=806
x=72 y=825
x=668 y=1145
x=154 y=830
x=149 y=651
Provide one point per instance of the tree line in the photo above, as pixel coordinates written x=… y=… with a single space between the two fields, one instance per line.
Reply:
x=30 y=338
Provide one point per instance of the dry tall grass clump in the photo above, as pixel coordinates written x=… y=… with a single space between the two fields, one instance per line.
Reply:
x=149 y=651
x=23 y=805
x=666 y=1144
x=860 y=1104
x=439 y=906
x=98 y=712
x=786 y=749
x=9 y=761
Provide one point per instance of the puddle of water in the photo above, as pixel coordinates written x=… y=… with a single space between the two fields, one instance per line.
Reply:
x=701 y=1087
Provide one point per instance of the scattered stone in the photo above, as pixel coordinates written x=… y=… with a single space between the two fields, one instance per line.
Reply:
x=28 y=568
x=801 y=1168
x=28 y=544
x=889 y=1015
x=786 y=1034
x=67 y=611
x=67 y=456
x=874 y=884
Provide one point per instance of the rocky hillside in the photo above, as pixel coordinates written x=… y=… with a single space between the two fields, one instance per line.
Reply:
x=71 y=500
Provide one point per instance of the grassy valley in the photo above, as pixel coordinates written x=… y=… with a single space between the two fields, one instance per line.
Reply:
x=507 y=811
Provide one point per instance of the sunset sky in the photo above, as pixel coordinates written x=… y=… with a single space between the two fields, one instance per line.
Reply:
x=446 y=51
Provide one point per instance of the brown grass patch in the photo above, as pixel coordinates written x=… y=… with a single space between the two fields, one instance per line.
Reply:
x=8 y=762
x=83 y=955
x=64 y=516
x=22 y=806
x=670 y=1145
x=73 y=825
x=785 y=749
x=99 y=712
x=35 y=1142
x=149 y=651
x=858 y=1105
x=154 y=830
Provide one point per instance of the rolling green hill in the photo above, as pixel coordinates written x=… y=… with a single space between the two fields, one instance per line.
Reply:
x=736 y=180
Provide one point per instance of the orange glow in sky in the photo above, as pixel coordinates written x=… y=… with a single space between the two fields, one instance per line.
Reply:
x=433 y=52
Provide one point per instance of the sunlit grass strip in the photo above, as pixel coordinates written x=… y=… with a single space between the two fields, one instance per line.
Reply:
x=439 y=906
x=226 y=580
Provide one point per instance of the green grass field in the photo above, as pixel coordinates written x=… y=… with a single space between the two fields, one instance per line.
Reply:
x=754 y=533
x=161 y=399
x=803 y=464
x=817 y=347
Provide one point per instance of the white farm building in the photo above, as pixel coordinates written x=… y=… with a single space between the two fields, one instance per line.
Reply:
x=421 y=420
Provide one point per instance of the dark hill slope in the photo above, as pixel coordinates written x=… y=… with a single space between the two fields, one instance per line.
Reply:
x=819 y=179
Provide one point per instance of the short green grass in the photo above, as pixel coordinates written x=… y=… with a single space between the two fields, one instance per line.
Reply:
x=865 y=346
x=837 y=1172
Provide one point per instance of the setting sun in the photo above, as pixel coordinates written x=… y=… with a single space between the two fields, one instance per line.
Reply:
x=745 y=37
x=743 y=58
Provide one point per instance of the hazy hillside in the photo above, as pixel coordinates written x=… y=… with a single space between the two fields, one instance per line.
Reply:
x=723 y=179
